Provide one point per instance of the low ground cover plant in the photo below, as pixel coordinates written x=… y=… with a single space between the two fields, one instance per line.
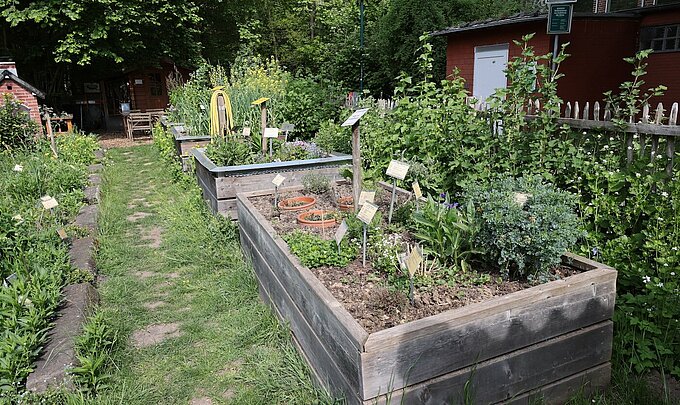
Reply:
x=34 y=261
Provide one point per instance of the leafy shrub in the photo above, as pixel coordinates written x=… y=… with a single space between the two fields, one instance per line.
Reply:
x=16 y=126
x=316 y=183
x=333 y=138
x=308 y=103
x=230 y=152
x=298 y=150
x=77 y=148
x=447 y=231
x=315 y=252
x=525 y=225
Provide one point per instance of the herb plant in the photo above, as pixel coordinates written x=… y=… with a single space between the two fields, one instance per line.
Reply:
x=315 y=252
x=316 y=183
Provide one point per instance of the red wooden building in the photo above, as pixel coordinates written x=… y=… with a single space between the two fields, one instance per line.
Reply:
x=23 y=91
x=598 y=42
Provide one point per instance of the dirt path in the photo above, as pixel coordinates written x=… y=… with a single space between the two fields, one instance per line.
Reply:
x=190 y=325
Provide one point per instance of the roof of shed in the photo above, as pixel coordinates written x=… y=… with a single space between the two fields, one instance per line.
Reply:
x=522 y=18
x=7 y=75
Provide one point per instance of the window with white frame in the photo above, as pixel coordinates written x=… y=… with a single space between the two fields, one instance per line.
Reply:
x=664 y=38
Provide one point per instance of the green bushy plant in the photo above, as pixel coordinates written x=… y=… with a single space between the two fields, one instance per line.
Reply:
x=447 y=230
x=333 y=138
x=525 y=225
x=16 y=126
x=93 y=350
x=308 y=103
x=297 y=150
x=315 y=252
x=230 y=152
x=77 y=148
x=316 y=183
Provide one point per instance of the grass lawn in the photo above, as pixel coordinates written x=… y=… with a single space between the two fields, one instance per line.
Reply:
x=190 y=325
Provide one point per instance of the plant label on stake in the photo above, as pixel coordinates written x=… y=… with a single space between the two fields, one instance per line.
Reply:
x=340 y=233
x=246 y=131
x=353 y=121
x=278 y=180
x=18 y=168
x=62 y=233
x=366 y=215
x=271 y=133
x=366 y=196
x=413 y=262
x=418 y=193
x=48 y=202
x=356 y=116
x=397 y=170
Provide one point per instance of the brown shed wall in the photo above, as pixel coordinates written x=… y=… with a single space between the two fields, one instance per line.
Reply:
x=664 y=67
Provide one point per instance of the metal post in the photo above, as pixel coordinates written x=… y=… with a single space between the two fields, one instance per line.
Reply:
x=356 y=166
x=364 y=252
x=394 y=195
x=556 y=44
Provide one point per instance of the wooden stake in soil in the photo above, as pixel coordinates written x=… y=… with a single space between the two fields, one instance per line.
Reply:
x=353 y=121
x=418 y=194
x=262 y=102
x=53 y=144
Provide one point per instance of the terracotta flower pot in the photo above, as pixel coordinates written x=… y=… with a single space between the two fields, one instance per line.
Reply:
x=313 y=218
x=296 y=203
x=346 y=204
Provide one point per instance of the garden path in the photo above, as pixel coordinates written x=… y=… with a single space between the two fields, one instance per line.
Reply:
x=191 y=328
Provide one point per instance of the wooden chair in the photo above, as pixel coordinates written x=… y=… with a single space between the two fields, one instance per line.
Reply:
x=138 y=122
x=156 y=114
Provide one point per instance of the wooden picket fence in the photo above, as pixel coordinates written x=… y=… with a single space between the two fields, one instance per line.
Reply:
x=652 y=129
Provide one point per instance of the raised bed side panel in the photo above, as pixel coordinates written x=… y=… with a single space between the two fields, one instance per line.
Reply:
x=427 y=348
x=544 y=365
x=207 y=184
x=304 y=297
x=185 y=147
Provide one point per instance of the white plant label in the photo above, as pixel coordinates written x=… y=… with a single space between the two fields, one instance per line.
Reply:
x=48 y=202
x=271 y=132
x=18 y=168
x=356 y=116
x=413 y=261
x=246 y=131
x=367 y=212
x=417 y=191
x=341 y=232
x=397 y=169
x=278 y=180
x=366 y=196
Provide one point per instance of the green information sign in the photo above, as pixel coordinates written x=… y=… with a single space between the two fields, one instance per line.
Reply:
x=559 y=18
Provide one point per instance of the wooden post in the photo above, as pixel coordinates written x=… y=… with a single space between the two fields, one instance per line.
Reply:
x=263 y=110
x=221 y=115
x=356 y=166
x=53 y=144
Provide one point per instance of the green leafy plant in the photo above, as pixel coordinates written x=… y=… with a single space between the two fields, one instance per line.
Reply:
x=93 y=350
x=333 y=138
x=316 y=183
x=16 y=126
x=315 y=252
x=525 y=225
x=447 y=230
x=230 y=152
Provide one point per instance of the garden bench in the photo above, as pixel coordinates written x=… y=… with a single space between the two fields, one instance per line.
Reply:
x=138 y=122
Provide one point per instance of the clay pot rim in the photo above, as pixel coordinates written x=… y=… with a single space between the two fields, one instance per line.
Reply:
x=309 y=202
x=326 y=222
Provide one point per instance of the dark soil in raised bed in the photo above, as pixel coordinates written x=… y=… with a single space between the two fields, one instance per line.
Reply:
x=364 y=291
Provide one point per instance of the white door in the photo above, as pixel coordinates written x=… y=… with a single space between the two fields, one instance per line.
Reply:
x=490 y=61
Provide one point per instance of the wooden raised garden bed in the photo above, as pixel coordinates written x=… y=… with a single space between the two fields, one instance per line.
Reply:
x=185 y=143
x=220 y=184
x=547 y=341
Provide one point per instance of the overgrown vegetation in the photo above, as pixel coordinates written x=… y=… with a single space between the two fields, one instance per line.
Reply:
x=34 y=261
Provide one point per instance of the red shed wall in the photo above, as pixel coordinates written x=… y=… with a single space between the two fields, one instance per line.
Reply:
x=664 y=67
x=460 y=50
x=597 y=48
x=24 y=96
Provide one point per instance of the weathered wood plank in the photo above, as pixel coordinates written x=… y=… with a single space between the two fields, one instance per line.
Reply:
x=516 y=373
x=341 y=334
x=186 y=147
x=394 y=357
x=584 y=383
x=229 y=186
x=661 y=130
x=329 y=374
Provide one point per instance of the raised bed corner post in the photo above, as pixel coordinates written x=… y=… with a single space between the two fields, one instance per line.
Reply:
x=353 y=121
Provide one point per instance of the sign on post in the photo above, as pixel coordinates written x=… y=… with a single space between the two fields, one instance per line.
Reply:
x=560 y=14
x=397 y=169
x=356 y=116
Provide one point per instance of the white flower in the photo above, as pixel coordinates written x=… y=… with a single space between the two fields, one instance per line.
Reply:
x=605 y=147
x=635 y=136
x=611 y=138
x=660 y=285
x=664 y=194
x=585 y=133
x=646 y=279
x=630 y=148
x=672 y=273
x=659 y=219
x=637 y=175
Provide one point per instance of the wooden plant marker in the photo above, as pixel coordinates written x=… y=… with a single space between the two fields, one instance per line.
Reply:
x=246 y=132
x=62 y=233
x=271 y=133
x=262 y=102
x=18 y=168
x=340 y=234
x=48 y=202
x=6 y=282
x=366 y=215
x=366 y=196
x=418 y=193
x=277 y=181
x=353 y=121
x=397 y=170
x=413 y=262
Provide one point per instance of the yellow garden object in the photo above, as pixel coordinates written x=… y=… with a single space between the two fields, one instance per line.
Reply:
x=215 y=112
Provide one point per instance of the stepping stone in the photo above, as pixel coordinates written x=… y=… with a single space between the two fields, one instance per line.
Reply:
x=91 y=194
x=201 y=401
x=153 y=305
x=95 y=179
x=154 y=334
x=82 y=254
x=95 y=168
x=153 y=235
x=87 y=217
x=99 y=154
x=137 y=216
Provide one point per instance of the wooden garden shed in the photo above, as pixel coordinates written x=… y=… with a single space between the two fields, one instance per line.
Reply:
x=599 y=40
